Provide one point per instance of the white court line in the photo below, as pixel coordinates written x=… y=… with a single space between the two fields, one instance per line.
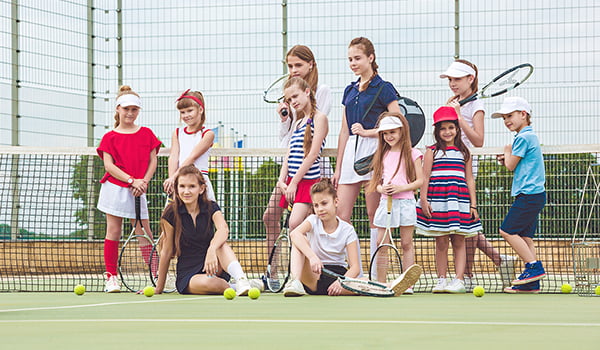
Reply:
x=415 y=322
x=106 y=304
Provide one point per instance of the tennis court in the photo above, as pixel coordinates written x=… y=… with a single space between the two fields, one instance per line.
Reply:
x=126 y=320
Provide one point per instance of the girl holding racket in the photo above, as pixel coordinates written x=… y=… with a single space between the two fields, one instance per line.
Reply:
x=195 y=231
x=128 y=172
x=364 y=100
x=448 y=206
x=301 y=63
x=463 y=79
x=397 y=172
x=191 y=144
x=301 y=167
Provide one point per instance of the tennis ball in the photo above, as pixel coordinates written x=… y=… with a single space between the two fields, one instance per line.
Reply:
x=149 y=291
x=79 y=289
x=597 y=290
x=478 y=291
x=229 y=293
x=566 y=288
x=254 y=293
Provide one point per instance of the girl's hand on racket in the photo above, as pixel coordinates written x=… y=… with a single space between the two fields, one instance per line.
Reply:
x=335 y=289
x=315 y=264
x=211 y=263
x=168 y=185
x=453 y=102
x=389 y=189
x=426 y=207
x=283 y=106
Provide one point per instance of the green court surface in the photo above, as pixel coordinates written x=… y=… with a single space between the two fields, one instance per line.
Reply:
x=422 y=321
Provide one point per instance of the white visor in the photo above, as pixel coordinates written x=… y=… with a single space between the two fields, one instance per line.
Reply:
x=389 y=123
x=458 y=70
x=129 y=100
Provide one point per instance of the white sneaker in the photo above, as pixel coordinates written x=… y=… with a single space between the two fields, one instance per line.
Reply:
x=242 y=286
x=440 y=287
x=293 y=288
x=406 y=280
x=112 y=284
x=469 y=283
x=258 y=284
x=456 y=287
x=409 y=291
x=507 y=269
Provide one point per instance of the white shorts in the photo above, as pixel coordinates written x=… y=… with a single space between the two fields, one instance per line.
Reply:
x=118 y=201
x=404 y=213
x=366 y=147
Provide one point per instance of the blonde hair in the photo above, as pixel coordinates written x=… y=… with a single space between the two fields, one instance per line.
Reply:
x=123 y=90
x=188 y=102
x=383 y=148
x=308 y=133
x=306 y=55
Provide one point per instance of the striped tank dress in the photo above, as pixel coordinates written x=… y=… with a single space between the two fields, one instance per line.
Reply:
x=297 y=154
x=448 y=196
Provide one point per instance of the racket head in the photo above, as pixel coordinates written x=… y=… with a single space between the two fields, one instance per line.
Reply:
x=415 y=116
x=386 y=264
x=134 y=261
x=170 y=286
x=274 y=92
x=362 y=287
x=278 y=267
x=507 y=80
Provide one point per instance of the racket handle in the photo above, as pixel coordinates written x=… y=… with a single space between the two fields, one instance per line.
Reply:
x=284 y=112
x=389 y=204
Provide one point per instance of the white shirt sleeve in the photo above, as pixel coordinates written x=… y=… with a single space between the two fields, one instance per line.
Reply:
x=324 y=99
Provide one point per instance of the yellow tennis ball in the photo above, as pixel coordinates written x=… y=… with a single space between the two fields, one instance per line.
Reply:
x=597 y=290
x=566 y=288
x=478 y=291
x=149 y=291
x=229 y=293
x=254 y=293
x=79 y=289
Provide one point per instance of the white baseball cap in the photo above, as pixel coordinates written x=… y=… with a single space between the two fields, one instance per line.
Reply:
x=511 y=104
x=127 y=100
x=458 y=70
x=389 y=123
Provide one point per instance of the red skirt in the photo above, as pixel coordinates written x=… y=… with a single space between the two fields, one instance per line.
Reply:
x=302 y=192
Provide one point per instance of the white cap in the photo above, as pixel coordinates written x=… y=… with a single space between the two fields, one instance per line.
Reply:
x=389 y=123
x=512 y=104
x=129 y=100
x=458 y=70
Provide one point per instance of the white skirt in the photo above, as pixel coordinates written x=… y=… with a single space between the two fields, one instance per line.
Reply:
x=404 y=213
x=119 y=201
x=366 y=147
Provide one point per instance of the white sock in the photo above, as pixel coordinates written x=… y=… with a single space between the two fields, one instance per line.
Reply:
x=374 y=232
x=235 y=270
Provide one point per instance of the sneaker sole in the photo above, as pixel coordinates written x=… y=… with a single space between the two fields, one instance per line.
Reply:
x=509 y=290
x=293 y=294
x=528 y=280
x=409 y=278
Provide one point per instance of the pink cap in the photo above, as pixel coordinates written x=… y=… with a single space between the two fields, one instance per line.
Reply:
x=445 y=113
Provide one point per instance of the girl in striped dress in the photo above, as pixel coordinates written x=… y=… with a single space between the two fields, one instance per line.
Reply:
x=448 y=205
x=301 y=168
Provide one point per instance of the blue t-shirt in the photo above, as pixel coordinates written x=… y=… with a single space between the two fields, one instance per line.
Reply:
x=530 y=174
x=356 y=102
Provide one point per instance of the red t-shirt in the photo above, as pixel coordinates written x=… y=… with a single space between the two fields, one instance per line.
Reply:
x=130 y=152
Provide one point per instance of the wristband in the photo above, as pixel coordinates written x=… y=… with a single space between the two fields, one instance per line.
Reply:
x=474 y=208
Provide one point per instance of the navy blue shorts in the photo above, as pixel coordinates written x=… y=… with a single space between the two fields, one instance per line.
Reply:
x=522 y=217
x=325 y=281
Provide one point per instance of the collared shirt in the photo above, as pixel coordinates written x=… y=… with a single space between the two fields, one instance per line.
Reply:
x=530 y=174
x=357 y=102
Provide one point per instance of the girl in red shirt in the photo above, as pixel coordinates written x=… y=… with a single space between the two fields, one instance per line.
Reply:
x=129 y=153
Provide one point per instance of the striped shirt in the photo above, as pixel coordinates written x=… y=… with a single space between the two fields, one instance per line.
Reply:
x=297 y=154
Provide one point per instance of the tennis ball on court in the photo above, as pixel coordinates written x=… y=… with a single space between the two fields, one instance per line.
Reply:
x=566 y=288
x=478 y=291
x=79 y=289
x=229 y=293
x=149 y=291
x=597 y=290
x=254 y=293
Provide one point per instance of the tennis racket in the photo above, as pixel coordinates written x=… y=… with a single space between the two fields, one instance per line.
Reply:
x=503 y=83
x=171 y=272
x=362 y=287
x=415 y=117
x=274 y=93
x=278 y=267
x=134 y=259
x=386 y=265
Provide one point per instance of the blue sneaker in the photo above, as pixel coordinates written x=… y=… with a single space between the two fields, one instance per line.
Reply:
x=529 y=288
x=533 y=272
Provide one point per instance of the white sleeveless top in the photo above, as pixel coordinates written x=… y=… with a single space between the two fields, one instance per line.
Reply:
x=187 y=142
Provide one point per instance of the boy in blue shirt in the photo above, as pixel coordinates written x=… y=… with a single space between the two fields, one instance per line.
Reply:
x=519 y=225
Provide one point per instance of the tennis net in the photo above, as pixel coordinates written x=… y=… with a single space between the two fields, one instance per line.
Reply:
x=51 y=234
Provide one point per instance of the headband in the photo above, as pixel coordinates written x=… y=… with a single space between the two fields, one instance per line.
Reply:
x=127 y=100
x=197 y=100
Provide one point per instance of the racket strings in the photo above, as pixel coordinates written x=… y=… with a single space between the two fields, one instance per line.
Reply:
x=134 y=263
x=386 y=263
x=366 y=288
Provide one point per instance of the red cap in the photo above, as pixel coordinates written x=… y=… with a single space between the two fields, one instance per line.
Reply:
x=444 y=114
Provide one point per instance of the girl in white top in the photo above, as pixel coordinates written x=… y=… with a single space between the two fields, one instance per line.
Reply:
x=191 y=144
x=397 y=172
x=301 y=63
x=463 y=81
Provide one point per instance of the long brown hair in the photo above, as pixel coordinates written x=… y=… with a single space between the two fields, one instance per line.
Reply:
x=203 y=202
x=308 y=133
x=383 y=148
x=123 y=90
x=440 y=145
x=305 y=54
x=188 y=102
x=367 y=47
